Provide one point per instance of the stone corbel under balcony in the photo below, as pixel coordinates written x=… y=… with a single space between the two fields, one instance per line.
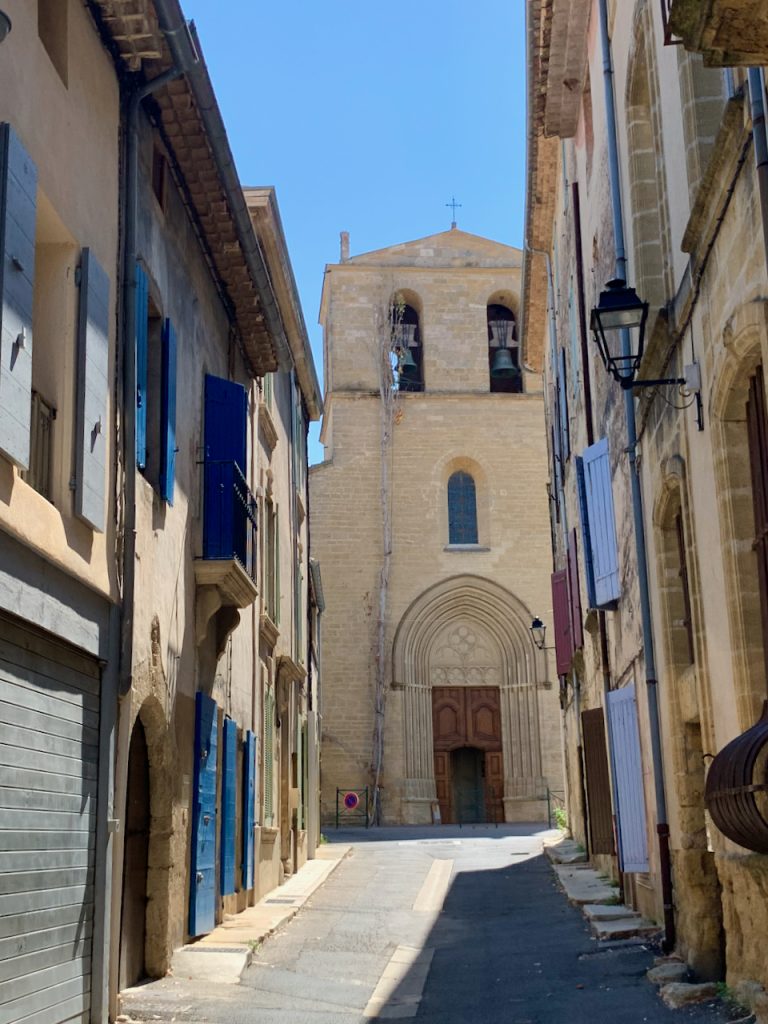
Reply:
x=725 y=32
x=267 y=426
x=223 y=586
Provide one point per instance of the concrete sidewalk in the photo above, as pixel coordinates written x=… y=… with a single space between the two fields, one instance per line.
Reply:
x=223 y=954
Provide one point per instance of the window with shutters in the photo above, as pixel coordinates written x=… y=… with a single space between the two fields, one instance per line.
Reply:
x=269 y=757
x=462 y=509
x=599 y=524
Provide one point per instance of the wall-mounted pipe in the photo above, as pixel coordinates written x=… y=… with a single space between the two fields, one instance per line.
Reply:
x=649 y=656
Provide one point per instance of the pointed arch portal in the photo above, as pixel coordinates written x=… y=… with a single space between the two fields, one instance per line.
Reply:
x=466 y=641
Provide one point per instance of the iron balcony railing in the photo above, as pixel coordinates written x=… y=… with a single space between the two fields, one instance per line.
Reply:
x=229 y=515
x=40 y=446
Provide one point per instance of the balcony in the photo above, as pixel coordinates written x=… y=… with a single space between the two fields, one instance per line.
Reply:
x=726 y=32
x=228 y=564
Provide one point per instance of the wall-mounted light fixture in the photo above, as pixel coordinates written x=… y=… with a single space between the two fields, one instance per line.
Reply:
x=538 y=632
x=5 y=25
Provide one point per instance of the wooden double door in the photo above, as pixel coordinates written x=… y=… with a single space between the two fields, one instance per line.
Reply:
x=469 y=769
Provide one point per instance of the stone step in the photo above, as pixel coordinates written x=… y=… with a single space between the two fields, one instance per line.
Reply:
x=628 y=927
x=565 y=852
x=611 y=912
x=583 y=885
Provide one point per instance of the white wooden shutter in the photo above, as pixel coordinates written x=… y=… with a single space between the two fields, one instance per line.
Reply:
x=92 y=392
x=18 y=201
x=627 y=764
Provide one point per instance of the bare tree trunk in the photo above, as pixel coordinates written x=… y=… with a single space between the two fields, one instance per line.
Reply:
x=385 y=317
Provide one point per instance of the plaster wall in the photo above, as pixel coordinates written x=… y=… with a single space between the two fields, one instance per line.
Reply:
x=71 y=132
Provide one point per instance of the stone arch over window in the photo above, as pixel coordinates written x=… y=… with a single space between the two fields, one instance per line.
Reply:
x=733 y=478
x=647 y=180
x=504 y=369
x=499 y=622
x=405 y=315
x=464 y=499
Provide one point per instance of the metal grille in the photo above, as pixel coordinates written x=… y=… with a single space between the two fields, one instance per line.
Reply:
x=40 y=443
x=462 y=509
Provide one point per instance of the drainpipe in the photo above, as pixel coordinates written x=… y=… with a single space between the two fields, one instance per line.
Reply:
x=649 y=657
x=757 y=102
x=130 y=218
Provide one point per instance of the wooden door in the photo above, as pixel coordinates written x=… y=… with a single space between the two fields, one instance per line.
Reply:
x=135 y=863
x=494 y=786
x=600 y=815
x=444 y=785
x=483 y=717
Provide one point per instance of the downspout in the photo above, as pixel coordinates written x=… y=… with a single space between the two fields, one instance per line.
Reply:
x=602 y=625
x=130 y=219
x=649 y=657
x=757 y=103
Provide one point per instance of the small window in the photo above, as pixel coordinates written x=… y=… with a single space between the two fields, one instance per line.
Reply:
x=53 y=30
x=462 y=509
x=685 y=592
x=406 y=347
x=154 y=426
x=503 y=351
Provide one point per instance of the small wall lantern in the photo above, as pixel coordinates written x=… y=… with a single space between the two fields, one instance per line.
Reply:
x=538 y=632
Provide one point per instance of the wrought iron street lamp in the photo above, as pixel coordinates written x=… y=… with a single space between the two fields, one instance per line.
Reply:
x=538 y=632
x=622 y=315
x=5 y=25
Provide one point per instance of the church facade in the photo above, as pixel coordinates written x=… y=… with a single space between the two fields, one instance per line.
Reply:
x=429 y=515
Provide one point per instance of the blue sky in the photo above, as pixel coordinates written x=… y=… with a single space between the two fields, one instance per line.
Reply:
x=369 y=117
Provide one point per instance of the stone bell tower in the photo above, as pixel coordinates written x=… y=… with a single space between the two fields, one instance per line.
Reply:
x=430 y=521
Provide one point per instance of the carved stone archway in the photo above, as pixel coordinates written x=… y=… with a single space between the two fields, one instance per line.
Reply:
x=468 y=631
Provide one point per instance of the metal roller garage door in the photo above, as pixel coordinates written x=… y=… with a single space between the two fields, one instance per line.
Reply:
x=49 y=741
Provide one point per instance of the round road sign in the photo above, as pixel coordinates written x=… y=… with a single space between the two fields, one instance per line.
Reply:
x=351 y=800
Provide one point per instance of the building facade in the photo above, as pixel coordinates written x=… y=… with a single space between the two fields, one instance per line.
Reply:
x=647 y=172
x=429 y=520
x=158 y=697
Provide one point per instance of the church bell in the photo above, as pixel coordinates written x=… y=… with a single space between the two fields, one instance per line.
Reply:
x=407 y=362
x=503 y=365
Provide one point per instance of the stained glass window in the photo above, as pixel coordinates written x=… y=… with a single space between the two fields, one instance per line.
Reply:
x=462 y=509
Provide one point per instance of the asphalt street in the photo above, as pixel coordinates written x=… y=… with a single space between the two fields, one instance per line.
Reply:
x=446 y=926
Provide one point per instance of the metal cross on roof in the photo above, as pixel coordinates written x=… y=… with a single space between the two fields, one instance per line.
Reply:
x=454 y=206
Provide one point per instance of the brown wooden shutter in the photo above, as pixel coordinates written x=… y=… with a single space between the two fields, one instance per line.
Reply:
x=598 y=781
x=562 y=616
x=757 y=427
x=574 y=594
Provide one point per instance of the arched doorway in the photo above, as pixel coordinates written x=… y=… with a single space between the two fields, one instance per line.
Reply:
x=135 y=862
x=470 y=675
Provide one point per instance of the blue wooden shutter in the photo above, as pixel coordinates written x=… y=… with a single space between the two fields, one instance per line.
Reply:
x=602 y=523
x=249 y=808
x=168 y=413
x=228 y=805
x=226 y=420
x=202 y=880
x=627 y=764
x=562 y=624
x=574 y=592
x=586 y=543
x=92 y=392
x=18 y=203
x=142 y=340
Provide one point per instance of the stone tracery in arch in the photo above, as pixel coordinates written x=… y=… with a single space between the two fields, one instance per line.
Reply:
x=468 y=631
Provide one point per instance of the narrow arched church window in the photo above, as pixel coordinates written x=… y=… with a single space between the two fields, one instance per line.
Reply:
x=462 y=509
